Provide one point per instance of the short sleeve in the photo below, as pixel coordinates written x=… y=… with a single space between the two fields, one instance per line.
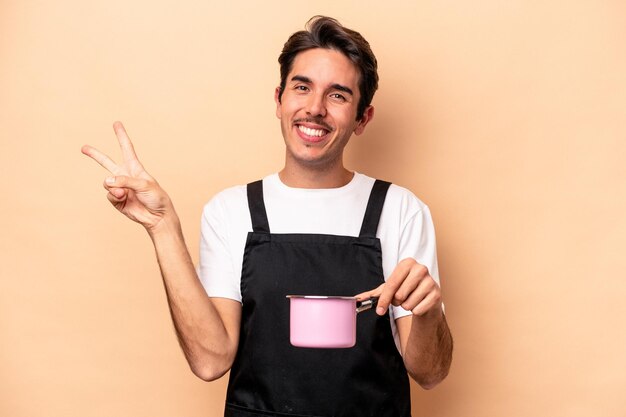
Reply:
x=216 y=268
x=417 y=241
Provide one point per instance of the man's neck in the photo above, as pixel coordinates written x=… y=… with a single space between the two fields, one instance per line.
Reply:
x=315 y=178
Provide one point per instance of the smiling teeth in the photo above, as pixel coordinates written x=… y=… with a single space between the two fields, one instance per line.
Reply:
x=311 y=132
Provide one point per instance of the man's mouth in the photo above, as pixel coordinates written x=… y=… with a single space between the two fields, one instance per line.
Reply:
x=312 y=132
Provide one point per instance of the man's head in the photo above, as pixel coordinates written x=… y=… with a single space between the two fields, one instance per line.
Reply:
x=325 y=32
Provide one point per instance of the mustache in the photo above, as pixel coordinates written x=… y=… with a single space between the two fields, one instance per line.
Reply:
x=314 y=120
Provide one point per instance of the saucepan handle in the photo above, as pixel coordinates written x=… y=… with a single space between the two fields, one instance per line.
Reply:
x=366 y=304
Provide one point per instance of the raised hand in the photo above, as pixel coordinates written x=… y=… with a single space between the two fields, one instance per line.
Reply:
x=131 y=189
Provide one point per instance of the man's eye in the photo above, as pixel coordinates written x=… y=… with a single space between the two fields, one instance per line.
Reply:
x=302 y=88
x=338 y=96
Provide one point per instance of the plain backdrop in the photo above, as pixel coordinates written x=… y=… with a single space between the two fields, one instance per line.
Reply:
x=508 y=118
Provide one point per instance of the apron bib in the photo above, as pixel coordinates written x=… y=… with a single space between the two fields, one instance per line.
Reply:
x=272 y=378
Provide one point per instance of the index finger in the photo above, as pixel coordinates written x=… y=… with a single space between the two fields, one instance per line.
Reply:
x=106 y=162
x=371 y=293
x=392 y=285
x=128 y=151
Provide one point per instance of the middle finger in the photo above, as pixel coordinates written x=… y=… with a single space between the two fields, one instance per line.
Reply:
x=128 y=151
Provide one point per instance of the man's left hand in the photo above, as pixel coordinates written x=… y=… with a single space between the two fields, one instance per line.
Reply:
x=409 y=286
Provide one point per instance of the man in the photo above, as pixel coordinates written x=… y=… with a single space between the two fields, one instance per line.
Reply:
x=313 y=228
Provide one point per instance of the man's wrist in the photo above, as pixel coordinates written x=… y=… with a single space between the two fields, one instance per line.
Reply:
x=432 y=316
x=169 y=225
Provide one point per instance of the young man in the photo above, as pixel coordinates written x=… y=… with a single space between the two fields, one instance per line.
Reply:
x=313 y=228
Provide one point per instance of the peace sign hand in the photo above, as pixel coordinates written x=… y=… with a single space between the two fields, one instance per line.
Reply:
x=132 y=190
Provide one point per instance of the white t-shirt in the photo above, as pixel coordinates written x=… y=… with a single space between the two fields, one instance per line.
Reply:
x=405 y=229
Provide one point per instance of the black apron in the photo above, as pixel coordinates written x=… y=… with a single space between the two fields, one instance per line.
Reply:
x=272 y=378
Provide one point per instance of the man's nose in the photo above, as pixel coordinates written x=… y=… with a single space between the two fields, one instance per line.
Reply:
x=316 y=106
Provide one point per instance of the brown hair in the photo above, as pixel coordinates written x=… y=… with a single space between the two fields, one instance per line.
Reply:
x=326 y=32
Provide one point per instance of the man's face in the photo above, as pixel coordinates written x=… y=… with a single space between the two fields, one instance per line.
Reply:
x=317 y=110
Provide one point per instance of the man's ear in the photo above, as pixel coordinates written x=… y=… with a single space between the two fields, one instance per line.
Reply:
x=368 y=115
x=277 y=100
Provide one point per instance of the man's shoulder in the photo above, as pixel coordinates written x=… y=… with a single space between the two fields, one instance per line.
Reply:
x=227 y=201
x=231 y=198
x=404 y=199
x=232 y=193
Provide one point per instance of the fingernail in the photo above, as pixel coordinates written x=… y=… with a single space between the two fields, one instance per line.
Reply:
x=110 y=180
x=380 y=311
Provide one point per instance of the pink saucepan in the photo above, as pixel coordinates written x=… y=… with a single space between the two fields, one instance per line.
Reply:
x=325 y=322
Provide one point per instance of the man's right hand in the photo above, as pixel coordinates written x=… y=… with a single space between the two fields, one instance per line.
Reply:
x=208 y=328
x=131 y=189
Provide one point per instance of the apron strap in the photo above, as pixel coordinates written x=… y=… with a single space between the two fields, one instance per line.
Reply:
x=370 y=220
x=257 y=207
x=374 y=209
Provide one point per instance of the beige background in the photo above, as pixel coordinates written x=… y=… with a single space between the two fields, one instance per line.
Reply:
x=507 y=118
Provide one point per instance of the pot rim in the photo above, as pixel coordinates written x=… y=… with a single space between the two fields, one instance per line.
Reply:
x=321 y=297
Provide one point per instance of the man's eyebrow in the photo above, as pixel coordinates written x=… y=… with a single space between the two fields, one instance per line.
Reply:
x=342 y=88
x=301 y=78
x=305 y=79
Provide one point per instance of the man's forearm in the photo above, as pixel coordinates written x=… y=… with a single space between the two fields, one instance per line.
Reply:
x=428 y=353
x=207 y=329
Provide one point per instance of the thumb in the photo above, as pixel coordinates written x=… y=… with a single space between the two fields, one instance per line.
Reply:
x=123 y=181
x=371 y=293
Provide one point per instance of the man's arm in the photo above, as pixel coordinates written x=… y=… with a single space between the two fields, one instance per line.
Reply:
x=426 y=347
x=425 y=339
x=207 y=328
